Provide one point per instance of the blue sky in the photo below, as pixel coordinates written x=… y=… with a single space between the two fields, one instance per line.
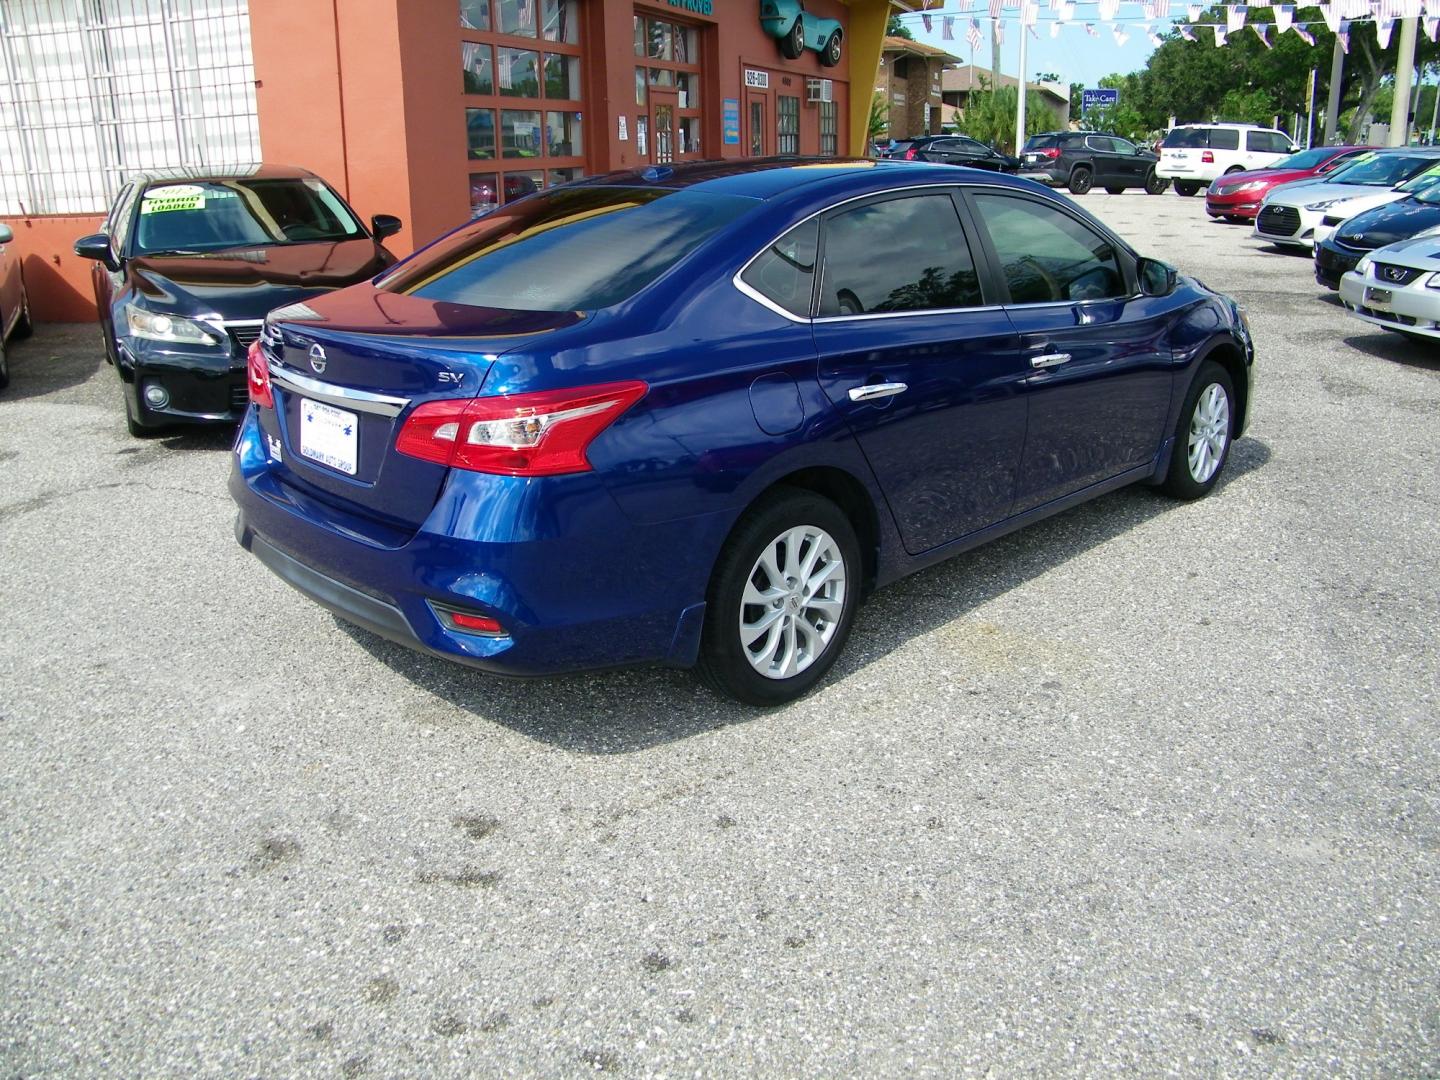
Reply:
x=1075 y=56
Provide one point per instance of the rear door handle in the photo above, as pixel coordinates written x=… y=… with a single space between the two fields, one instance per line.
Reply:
x=877 y=390
x=1048 y=360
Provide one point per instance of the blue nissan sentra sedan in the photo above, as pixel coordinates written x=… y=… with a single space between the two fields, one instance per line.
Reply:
x=692 y=415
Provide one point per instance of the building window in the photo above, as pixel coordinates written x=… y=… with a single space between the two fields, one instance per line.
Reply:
x=523 y=106
x=787 y=128
x=668 y=62
x=829 y=142
x=91 y=93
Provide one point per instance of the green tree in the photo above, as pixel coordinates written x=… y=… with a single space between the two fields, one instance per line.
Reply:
x=896 y=28
x=879 y=122
x=990 y=116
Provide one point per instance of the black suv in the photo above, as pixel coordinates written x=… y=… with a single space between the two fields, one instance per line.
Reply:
x=953 y=150
x=1081 y=160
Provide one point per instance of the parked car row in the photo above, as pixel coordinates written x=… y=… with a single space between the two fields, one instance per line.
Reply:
x=1370 y=218
x=689 y=415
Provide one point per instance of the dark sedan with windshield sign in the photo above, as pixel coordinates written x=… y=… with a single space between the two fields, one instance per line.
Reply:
x=190 y=261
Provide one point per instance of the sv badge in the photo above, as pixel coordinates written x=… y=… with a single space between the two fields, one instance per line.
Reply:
x=453 y=378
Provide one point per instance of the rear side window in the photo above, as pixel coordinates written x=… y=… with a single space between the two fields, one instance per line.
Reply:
x=1046 y=255
x=1267 y=142
x=1224 y=139
x=784 y=273
x=906 y=254
x=569 y=249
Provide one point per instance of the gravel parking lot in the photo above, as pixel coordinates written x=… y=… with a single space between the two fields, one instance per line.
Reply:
x=1149 y=787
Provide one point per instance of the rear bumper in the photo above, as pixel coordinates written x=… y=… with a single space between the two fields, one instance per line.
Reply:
x=1047 y=178
x=573 y=589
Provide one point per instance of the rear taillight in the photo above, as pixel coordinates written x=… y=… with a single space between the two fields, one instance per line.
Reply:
x=540 y=434
x=1052 y=152
x=257 y=375
x=910 y=154
x=1208 y=157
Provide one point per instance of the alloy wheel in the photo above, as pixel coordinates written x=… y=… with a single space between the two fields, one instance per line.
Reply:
x=1209 y=432
x=793 y=601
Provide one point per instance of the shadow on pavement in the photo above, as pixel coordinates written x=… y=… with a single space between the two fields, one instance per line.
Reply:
x=625 y=711
x=56 y=358
x=1387 y=345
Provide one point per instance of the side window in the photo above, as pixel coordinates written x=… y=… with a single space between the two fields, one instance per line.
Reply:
x=1124 y=146
x=1224 y=139
x=905 y=254
x=1096 y=143
x=785 y=271
x=1046 y=255
x=970 y=146
x=120 y=232
x=117 y=210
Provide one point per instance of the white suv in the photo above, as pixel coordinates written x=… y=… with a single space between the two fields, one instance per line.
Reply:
x=1194 y=154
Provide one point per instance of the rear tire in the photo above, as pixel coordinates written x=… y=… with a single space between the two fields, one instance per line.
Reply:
x=1186 y=187
x=1080 y=180
x=1203 y=435
x=788 y=580
x=1234 y=169
x=830 y=55
x=1115 y=191
x=26 y=326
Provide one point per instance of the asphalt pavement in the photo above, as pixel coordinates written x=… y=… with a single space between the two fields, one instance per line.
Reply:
x=1148 y=788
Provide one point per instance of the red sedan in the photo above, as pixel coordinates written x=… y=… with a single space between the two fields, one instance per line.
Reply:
x=1237 y=196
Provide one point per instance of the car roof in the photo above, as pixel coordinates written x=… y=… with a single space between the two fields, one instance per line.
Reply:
x=252 y=171
x=765 y=178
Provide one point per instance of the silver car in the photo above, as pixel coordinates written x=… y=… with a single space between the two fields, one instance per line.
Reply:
x=14 y=304
x=1398 y=288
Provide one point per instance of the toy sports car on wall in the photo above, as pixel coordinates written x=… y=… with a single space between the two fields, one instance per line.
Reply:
x=798 y=30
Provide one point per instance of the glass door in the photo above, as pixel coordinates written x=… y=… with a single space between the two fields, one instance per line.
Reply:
x=759 y=128
x=663 y=106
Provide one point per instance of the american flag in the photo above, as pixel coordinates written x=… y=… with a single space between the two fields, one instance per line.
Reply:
x=1219 y=36
x=1284 y=13
x=995 y=8
x=929 y=23
x=999 y=31
x=1432 y=26
x=1343 y=36
x=1383 y=27
x=1120 y=36
x=1385 y=9
x=1162 y=9
x=1194 y=11
x=1331 y=14
x=1090 y=29
x=1055 y=29
x=1262 y=31
x=973 y=36
x=947 y=28
x=1235 y=17
x=1303 y=34
x=1186 y=32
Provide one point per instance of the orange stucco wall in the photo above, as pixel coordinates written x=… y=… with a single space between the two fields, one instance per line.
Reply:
x=57 y=281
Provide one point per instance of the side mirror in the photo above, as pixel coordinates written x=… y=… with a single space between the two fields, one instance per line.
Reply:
x=96 y=246
x=1156 y=278
x=383 y=225
x=6 y=234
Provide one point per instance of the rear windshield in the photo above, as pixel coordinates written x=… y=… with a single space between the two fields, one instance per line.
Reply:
x=1381 y=170
x=1306 y=159
x=569 y=249
x=1182 y=138
x=212 y=215
x=1042 y=142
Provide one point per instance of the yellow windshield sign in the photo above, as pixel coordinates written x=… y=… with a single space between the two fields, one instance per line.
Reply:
x=173 y=197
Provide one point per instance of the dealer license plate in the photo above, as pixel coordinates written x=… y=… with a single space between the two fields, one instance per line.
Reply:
x=1377 y=298
x=329 y=435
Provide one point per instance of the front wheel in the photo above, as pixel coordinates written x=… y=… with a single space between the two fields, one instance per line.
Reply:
x=1080 y=181
x=1202 y=438
x=782 y=599
x=792 y=45
x=1154 y=185
x=1186 y=187
x=830 y=55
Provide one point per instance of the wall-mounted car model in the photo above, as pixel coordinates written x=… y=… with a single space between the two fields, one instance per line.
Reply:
x=14 y=303
x=640 y=419
x=799 y=30
x=189 y=262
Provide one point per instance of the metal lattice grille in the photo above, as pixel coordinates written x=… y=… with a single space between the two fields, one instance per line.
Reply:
x=93 y=90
